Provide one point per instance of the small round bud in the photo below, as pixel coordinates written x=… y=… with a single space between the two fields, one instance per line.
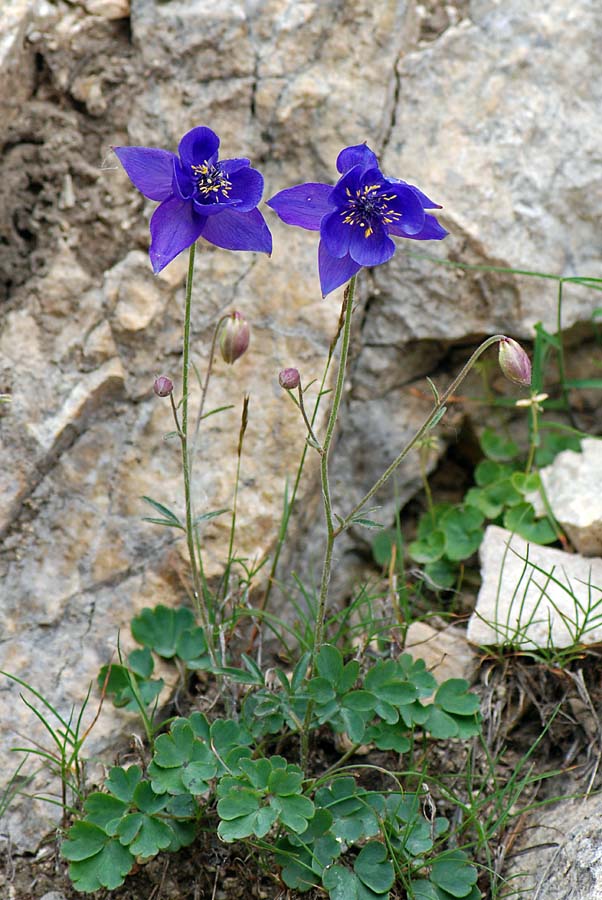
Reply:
x=163 y=386
x=514 y=362
x=289 y=379
x=234 y=337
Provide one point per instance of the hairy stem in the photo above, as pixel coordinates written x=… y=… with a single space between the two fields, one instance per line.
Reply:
x=326 y=499
x=197 y=586
x=430 y=420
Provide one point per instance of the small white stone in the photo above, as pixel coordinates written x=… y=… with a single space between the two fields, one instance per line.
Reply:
x=108 y=9
x=534 y=596
x=572 y=486
x=445 y=651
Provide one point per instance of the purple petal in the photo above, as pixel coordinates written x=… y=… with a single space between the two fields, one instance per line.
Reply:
x=304 y=205
x=334 y=272
x=183 y=182
x=403 y=200
x=347 y=187
x=234 y=230
x=174 y=226
x=233 y=165
x=247 y=187
x=198 y=146
x=358 y=155
x=150 y=170
x=426 y=202
x=370 y=246
x=431 y=230
x=214 y=207
x=336 y=234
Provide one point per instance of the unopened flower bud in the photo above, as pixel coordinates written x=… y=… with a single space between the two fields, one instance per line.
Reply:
x=289 y=379
x=163 y=386
x=514 y=362
x=234 y=337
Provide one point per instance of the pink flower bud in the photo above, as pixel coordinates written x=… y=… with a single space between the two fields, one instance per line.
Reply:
x=289 y=379
x=234 y=337
x=163 y=386
x=514 y=362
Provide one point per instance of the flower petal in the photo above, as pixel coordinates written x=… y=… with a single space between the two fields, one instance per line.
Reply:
x=347 y=187
x=150 y=170
x=426 y=202
x=304 y=205
x=370 y=246
x=235 y=230
x=402 y=199
x=333 y=271
x=174 y=226
x=183 y=182
x=431 y=230
x=358 y=155
x=247 y=187
x=233 y=165
x=198 y=146
x=336 y=233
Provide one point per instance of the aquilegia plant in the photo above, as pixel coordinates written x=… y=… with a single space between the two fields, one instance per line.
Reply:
x=325 y=830
x=356 y=217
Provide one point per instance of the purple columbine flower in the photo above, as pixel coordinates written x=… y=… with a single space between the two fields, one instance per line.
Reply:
x=356 y=217
x=200 y=197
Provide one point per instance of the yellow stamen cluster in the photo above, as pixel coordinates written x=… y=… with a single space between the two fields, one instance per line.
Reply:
x=366 y=206
x=211 y=182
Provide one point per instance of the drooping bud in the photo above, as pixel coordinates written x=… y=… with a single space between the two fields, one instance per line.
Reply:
x=289 y=379
x=163 y=386
x=234 y=337
x=514 y=362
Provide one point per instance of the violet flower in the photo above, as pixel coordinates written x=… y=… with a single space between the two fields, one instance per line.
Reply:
x=200 y=197
x=356 y=217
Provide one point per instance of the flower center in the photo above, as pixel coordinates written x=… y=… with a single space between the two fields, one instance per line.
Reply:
x=369 y=207
x=211 y=183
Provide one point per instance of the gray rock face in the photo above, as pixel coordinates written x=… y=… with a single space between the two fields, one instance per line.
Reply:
x=559 y=855
x=533 y=596
x=572 y=486
x=468 y=101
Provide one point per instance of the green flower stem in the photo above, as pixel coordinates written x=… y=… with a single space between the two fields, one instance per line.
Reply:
x=290 y=504
x=430 y=420
x=330 y=530
x=197 y=586
x=241 y=436
x=205 y=383
x=534 y=442
x=332 y=420
x=314 y=441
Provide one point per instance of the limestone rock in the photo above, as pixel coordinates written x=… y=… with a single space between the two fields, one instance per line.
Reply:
x=108 y=9
x=558 y=854
x=444 y=650
x=572 y=486
x=534 y=596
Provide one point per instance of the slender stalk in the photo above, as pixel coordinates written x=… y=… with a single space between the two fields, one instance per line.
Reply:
x=332 y=420
x=430 y=420
x=534 y=442
x=205 y=383
x=326 y=498
x=243 y=428
x=308 y=424
x=290 y=505
x=197 y=589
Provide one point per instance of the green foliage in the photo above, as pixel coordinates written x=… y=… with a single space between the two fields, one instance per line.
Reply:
x=266 y=792
x=194 y=753
x=172 y=633
x=128 y=822
x=448 y=534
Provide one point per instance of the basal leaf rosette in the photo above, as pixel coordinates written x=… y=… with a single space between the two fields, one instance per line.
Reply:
x=267 y=792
